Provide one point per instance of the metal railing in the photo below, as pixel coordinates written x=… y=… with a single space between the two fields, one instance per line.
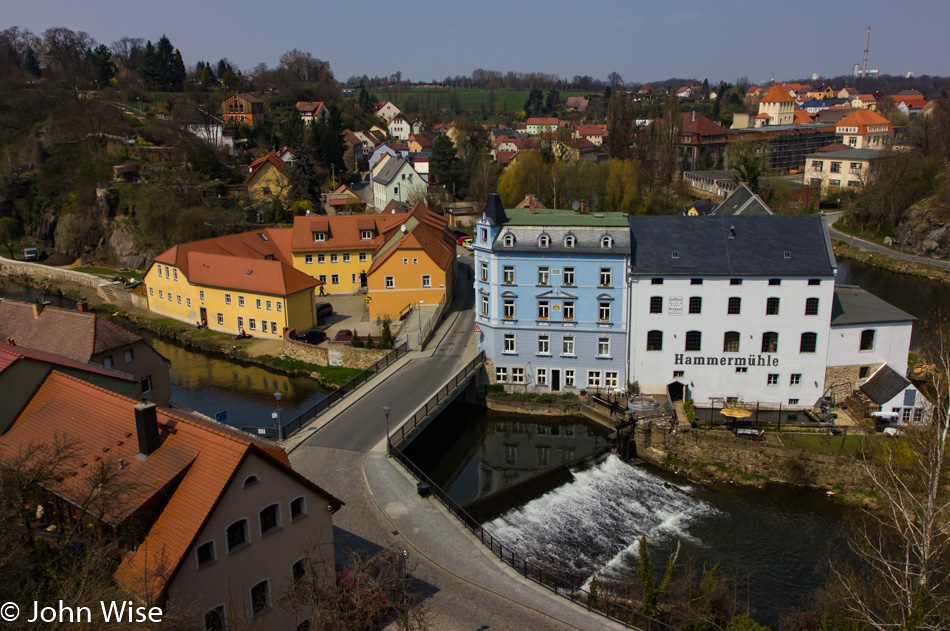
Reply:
x=321 y=407
x=447 y=391
x=569 y=586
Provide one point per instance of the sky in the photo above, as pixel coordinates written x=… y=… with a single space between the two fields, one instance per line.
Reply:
x=431 y=39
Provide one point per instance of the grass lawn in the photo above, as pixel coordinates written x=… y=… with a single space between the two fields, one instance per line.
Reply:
x=337 y=375
x=854 y=446
x=470 y=99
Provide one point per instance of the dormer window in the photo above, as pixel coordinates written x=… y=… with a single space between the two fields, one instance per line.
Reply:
x=509 y=240
x=366 y=235
x=570 y=241
x=319 y=237
x=606 y=241
x=544 y=241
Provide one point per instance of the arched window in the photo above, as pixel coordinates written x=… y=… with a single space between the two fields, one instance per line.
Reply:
x=730 y=342
x=770 y=342
x=509 y=240
x=251 y=480
x=867 y=340
x=606 y=241
x=694 y=340
x=570 y=241
x=655 y=340
x=544 y=241
x=809 y=343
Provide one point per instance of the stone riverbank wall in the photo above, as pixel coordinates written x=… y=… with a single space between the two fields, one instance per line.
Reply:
x=332 y=353
x=44 y=276
x=532 y=408
x=719 y=457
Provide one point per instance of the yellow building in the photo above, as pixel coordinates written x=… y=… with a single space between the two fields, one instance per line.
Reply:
x=415 y=264
x=233 y=283
x=338 y=249
x=267 y=178
x=265 y=281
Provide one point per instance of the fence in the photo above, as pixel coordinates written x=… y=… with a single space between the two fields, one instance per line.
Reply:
x=447 y=391
x=569 y=587
x=315 y=411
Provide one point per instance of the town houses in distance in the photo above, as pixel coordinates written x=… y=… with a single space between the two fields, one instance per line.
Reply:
x=718 y=309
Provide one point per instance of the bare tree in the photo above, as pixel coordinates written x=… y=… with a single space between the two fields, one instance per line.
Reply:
x=901 y=579
x=374 y=587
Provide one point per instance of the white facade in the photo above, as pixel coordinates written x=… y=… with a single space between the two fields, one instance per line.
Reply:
x=736 y=319
x=399 y=129
x=870 y=345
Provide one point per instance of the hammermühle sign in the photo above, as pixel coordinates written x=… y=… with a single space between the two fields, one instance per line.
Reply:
x=679 y=359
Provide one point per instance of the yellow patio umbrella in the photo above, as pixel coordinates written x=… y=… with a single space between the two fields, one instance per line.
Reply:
x=735 y=413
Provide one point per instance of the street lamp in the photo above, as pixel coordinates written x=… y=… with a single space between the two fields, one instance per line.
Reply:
x=277 y=396
x=386 y=411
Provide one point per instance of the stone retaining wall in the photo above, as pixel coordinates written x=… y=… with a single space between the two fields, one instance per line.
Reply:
x=532 y=408
x=332 y=353
x=43 y=272
x=724 y=458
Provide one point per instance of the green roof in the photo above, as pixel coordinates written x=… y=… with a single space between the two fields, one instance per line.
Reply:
x=559 y=217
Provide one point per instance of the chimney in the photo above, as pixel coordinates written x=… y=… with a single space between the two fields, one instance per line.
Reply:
x=82 y=306
x=533 y=206
x=146 y=425
x=37 y=309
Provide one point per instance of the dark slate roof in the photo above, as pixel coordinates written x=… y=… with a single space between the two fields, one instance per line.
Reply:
x=389 y=171
x=587 y=239
x=495 y=210
x=853 y=305
x=702 y=207
x=742 y=201
x=708 y=246
x=884 y=385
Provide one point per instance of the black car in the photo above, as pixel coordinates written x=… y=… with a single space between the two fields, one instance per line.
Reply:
x=324 y=310
x=311 y=337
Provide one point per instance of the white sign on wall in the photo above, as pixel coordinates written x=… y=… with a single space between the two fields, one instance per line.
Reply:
x=675 y=307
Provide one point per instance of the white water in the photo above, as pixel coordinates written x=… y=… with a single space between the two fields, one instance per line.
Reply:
x=591 y=526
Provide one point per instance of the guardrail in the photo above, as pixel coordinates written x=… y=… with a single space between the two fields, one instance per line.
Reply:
x=568 y=586
x=447 y=390
x=315 y=411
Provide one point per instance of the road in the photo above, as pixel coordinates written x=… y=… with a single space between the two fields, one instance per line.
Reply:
x=464 y=586
x=831 y=218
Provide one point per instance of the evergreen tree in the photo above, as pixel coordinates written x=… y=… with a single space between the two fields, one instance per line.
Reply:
x=535 y=103
x=618 y=125
x=207 y=77
x=366 y=102
x=149 y=67
x=386 y=336
x=304 y=181
x=293 y=134
x=30 y=63
x=552 y=102
x=442 y=163
x=100 y=63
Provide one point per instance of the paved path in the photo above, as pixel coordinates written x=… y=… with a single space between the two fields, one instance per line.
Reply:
x=466 y=587
x=831 y=218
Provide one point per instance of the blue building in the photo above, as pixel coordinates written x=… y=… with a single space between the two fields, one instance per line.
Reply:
x=551 y=297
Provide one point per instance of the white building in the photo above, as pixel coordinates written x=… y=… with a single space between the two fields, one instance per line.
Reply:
x=736 y=308
x=397 y=180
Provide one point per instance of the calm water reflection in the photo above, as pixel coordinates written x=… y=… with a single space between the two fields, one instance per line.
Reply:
x=210 y=384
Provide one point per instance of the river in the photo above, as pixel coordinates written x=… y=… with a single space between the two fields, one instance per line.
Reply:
x=769 y=541
x=209 y=384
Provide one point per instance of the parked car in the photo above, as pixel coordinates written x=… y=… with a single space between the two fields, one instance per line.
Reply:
x=31 y=254
x=324 y=310
x=462 y=238
x=343 y=335
x=311 y=336
x=467 y=243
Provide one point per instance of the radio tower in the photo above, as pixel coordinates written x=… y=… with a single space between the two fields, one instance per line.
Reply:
x=864 y=66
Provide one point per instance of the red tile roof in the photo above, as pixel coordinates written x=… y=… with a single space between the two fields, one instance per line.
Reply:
x=777 y=94
x=862 y=119
x=802 y=117
x=425 y=231
x=542 y=121
x=591 y=130
x=696 y=123
x=273 y=159
x=254 y=244
x=260 y=276
x=310 y=107
x=75 y=334
x=194 y=465
x=343 y=232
